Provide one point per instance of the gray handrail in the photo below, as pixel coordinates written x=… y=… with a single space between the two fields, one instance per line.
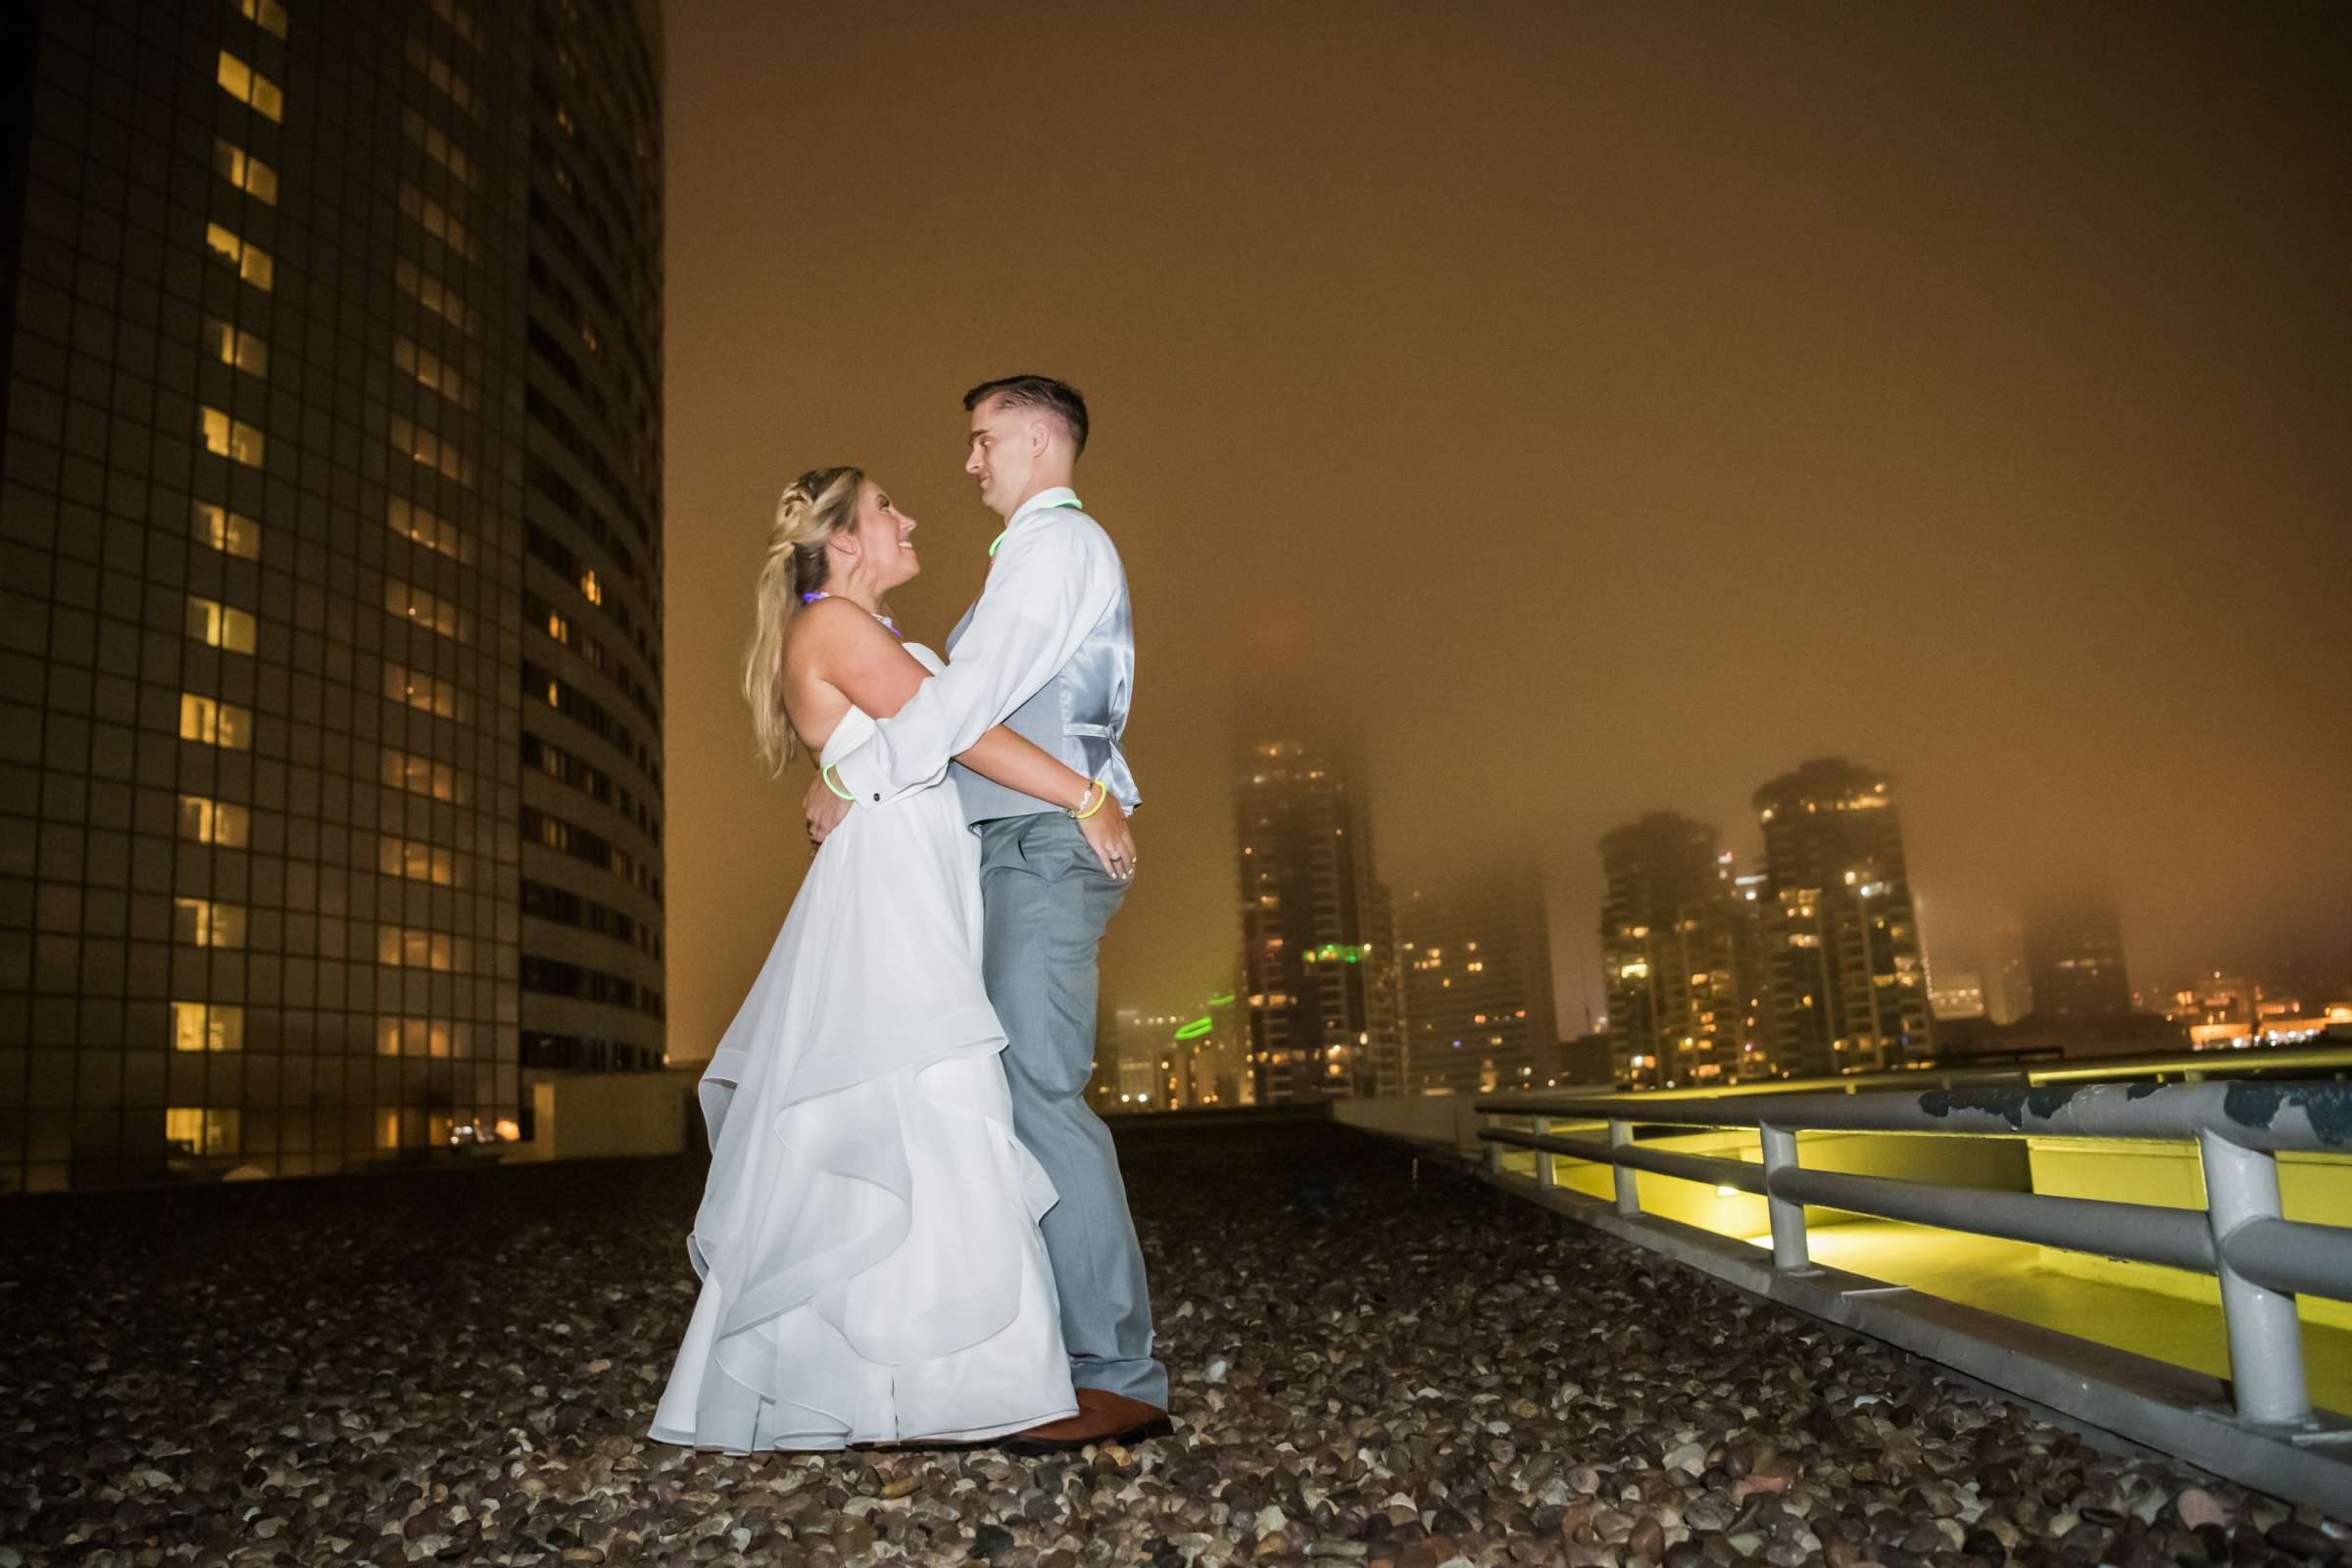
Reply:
x=2260 y=1260
x=2302 y=1116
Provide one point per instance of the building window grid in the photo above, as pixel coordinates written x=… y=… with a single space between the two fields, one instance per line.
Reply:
x=235 y=536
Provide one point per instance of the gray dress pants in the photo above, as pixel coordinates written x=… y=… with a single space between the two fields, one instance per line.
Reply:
x=1047 y=901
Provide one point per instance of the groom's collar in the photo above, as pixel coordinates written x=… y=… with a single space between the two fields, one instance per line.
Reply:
x=1061 y=495
x=1045 y=501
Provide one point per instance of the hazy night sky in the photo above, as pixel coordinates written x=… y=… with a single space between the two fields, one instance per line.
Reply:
x=1604 y=408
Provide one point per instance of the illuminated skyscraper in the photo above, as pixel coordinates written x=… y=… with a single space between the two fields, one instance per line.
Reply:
x=1959 y=993
x=1849 y=992
x=1318 y=963
x=1671 y=950
x=1192 y=1058
x=1478 y=1000
x=2075 y=956
x=332 y=776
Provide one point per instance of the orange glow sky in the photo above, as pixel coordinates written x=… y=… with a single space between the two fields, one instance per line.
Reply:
x=1603 y=408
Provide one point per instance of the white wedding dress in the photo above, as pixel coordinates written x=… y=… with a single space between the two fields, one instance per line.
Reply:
x=867 y=1239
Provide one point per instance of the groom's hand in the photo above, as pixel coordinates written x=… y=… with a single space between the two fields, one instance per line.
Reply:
x=823 y=810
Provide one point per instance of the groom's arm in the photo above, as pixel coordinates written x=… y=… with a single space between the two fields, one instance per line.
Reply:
x=1047 y=590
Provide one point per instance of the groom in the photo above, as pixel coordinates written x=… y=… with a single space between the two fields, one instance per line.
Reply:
x=1049 y=650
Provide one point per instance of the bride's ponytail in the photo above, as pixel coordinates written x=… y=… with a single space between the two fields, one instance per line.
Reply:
x=812 y=510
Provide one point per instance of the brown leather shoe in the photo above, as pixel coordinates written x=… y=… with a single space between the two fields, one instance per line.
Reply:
x=1101 y=1417
x=1133 y=1416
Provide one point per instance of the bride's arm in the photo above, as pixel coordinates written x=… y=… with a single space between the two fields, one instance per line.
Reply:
x=871 y=668
x=868 y=665
x=1016 y=762
x=1020 y=764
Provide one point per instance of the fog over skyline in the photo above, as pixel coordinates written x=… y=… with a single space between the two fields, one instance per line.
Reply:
x=1597 y=409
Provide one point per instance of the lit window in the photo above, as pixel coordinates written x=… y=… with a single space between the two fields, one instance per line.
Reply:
x=418 y=607
x=460 y=22
x=207 y=1026
x=429 y=292
x=247 y=172
x=267 y=15
x=230 y=346
x=424 y=692
x=232 y=438
x=439 y=148
x=436 y=70
x=428 y=448
x=218 y=625
x=409 y=948
x=433 y=371
x=591 y=589
x=215 y=724
x=420 y=776
x=221 y=822
x=419 y=863
x=437 y=221
x=225 y=530
x=203 y=923
x=434 y=533
x=252 y=262
x=249 y=86
x=199 y=1130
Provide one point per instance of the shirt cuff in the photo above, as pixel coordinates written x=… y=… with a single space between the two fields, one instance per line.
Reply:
x=861 y=773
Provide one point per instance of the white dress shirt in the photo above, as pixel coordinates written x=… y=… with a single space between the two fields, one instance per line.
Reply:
x=1054 y=577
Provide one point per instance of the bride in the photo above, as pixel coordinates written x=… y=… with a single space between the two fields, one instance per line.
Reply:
x=871 y=1268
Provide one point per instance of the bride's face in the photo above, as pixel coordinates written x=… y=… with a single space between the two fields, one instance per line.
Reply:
x=885 y=539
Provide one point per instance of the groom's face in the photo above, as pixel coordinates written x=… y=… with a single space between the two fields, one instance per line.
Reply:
x=1001 y=452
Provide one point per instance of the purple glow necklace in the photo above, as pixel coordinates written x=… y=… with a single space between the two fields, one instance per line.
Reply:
x=888 y=625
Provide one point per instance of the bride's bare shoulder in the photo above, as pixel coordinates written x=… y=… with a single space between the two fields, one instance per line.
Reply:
x=821 y=626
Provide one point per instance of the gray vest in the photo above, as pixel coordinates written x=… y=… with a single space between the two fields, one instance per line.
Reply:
x=1076 y=716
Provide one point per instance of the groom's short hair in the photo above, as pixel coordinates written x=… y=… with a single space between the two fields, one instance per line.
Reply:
x=1035 y=392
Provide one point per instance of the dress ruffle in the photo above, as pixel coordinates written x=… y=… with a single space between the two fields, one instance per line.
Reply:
x=868 y=1244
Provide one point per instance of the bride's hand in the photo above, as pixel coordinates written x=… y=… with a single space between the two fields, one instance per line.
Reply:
x=823 y=811
x=1107 y=834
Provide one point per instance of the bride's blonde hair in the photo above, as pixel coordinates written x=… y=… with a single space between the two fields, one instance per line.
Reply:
x=813 y=508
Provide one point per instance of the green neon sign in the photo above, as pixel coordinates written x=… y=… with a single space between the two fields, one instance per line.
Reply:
x=1195 y=1029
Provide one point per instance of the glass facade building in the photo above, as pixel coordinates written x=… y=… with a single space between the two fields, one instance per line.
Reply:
x=1848 y=989
x=1476 y=956
x=330 y=759
x=1682 y=985
x=1319 y=949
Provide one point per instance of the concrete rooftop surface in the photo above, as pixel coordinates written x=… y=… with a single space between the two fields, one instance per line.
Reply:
x=1375 y=1362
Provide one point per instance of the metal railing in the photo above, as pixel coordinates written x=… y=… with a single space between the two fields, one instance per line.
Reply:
x=2261 y=1259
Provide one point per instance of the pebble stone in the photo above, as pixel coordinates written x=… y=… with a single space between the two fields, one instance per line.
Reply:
x=1376 y=1362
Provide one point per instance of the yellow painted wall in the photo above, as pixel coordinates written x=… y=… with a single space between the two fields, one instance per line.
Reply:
x=1997 y=1164
x=2311 y=1187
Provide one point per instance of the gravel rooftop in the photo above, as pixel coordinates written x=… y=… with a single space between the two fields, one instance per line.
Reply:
x=1374 y=1364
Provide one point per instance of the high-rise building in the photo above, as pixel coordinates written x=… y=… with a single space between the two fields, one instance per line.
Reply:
x=1958 y=994
x=1189 y=1059
x=331 y=790
x=2008 y=989
x=1477 y=995
x=2075 y=956
x=1849 y=992
x=1671 y=949
x=1318 y=962
x=1127 y=1054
